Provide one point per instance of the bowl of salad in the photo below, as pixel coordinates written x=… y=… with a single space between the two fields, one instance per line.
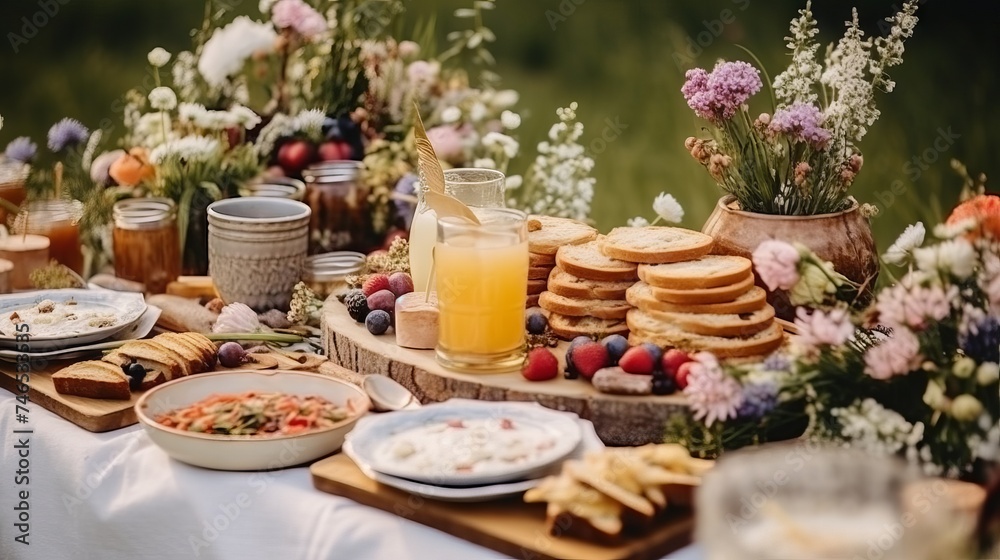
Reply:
x=251 y=420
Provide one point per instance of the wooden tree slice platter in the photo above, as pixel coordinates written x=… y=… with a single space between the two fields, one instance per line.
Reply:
x=619 y=420
x=510 y=526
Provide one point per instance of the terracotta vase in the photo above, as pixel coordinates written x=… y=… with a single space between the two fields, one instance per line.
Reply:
x=843 y=238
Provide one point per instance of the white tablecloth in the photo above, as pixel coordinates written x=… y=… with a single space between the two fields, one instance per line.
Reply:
x=117 y=496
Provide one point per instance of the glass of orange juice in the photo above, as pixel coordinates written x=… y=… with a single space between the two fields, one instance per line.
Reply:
x=481 y=276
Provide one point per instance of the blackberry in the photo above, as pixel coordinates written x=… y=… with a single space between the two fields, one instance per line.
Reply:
x=664 y=385
x=357 y=305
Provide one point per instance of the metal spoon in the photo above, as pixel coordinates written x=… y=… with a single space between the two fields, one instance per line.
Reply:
x=386 y=394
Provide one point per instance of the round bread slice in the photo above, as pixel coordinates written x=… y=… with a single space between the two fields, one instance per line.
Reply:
x=565 y=284
x=710 y=271
x=568 y=328
x=547 y=233
x=760 y=344
x=656 y=244
x=744 y=324
x=602 y=309
x=531 y=301
x=539 y=272
x=641 y=295
x=541 y=260
x=587 y=261
x=721 y=294
x=536 y=287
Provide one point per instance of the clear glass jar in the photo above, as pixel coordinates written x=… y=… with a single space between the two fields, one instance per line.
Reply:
x=146 y=242
x=326 y=274
x=341 y=214
x=59 y=220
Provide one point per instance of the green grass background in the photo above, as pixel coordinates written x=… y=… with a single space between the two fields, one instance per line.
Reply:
x=620 y=59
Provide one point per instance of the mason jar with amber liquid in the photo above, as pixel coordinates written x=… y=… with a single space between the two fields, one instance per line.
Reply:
x=59 y=220
x=146 y=242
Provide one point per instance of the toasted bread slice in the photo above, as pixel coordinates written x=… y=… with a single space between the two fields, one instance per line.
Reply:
x=709 y=271
x=93 y=379
x=744 y=324
x=641 y=295
x=208 y=347
x=609 y=482
x=542 y=259
x=656 y=244
x=536 y=287
x=531 y=301
x=568 y=285
x=191 y=354
x=720 y=294
x=587 y=261
x=152 y=356
x=568 y=328
x=547 y=233
x=602 y=309
x=759 y=344
x=578 y=508
x=539 y=272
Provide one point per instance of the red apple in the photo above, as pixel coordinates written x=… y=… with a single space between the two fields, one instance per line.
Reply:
x=332 y=150
x=672 y=361
x=296 y=155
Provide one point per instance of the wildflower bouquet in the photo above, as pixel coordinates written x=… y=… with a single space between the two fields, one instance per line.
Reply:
x=915 y=374
x=803 y=156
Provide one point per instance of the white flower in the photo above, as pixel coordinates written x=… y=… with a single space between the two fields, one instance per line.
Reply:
x=955 y=256
x=514 y=181
x=187 y=148
x=510 y=120
x=451 y=114
x=485 y=163
x=228 y=48
x=152 y=129
x=988 y=373
x=265 y=6
x=911 y=238
x=477 y=112
x=637 y=221
x=667 y=208
x=950 y=231
x=162 y=98
x=503 y=142
x=504 y=98
x=158 y=57
x=310 y=122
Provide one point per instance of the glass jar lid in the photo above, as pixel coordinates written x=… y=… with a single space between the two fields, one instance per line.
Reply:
x=143 y=213
x=333 y=266
x=275 y=187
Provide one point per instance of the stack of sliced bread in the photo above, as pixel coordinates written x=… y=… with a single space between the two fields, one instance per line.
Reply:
x=709 y=303
x=586 y=292
x=545 y=235
x=164 y=357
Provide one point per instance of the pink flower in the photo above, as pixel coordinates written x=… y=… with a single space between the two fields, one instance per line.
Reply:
x=297 y=15
x=897 y=355
x=802 y=122
x=711 y=394
x=448 y=142
x=777 y=263
x=717 y=95
x=422 y=72
x=821 y=328
x=900 y=306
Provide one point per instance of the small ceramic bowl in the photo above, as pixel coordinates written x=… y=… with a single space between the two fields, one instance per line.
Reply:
x=248 y=453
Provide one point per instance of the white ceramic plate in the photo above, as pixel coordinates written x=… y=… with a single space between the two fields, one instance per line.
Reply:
x=135 y=331
x=443 y=454
x=247 y=453
x=127 y=308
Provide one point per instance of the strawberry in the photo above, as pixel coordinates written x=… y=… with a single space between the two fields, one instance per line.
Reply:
x=682 y=374
x=374 y=283
x=589 y=357
x=540 y=365
x=637 y=360
x=673 y=359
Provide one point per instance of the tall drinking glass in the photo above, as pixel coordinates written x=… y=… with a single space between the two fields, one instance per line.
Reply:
x=481 y=276
x=477 y=188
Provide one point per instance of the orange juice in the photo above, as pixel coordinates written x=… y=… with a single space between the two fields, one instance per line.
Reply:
x=481 y=277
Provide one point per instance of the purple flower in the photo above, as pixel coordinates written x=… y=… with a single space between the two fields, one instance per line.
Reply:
x=21 y=149
x=712 y=395
x=981 y=341
x=802 y=122
x=758 y=399
x=405 y=209
x=66 y=134
x=717 y=95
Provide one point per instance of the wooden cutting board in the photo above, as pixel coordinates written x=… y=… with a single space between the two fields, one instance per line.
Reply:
x=508 y=526
x=102 y=415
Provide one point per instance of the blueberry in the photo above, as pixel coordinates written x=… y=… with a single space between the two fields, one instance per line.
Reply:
x=616 y=345
x=654 y=351
x=136 y=373
x=536 y=323
x=571 y=373
x=378 y=321
x=664 y=385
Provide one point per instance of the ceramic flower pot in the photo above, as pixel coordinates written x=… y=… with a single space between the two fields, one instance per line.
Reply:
x=256 y=249
x=843 y=238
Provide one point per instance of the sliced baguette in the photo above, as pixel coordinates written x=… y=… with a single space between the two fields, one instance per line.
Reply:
x=208 y=347
x=152 y=356
x=655 y=244
x=730 y=325
x=192 y=354
x=587 y=261
x=569 y=328
x=641 y=295
x=720 y=294
x=547 y=233
x=539 y=272
x=568 y=285
x=760 y=344
x=541 y=259
x=601 y=309
x=92 y=379
x=710 y=271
